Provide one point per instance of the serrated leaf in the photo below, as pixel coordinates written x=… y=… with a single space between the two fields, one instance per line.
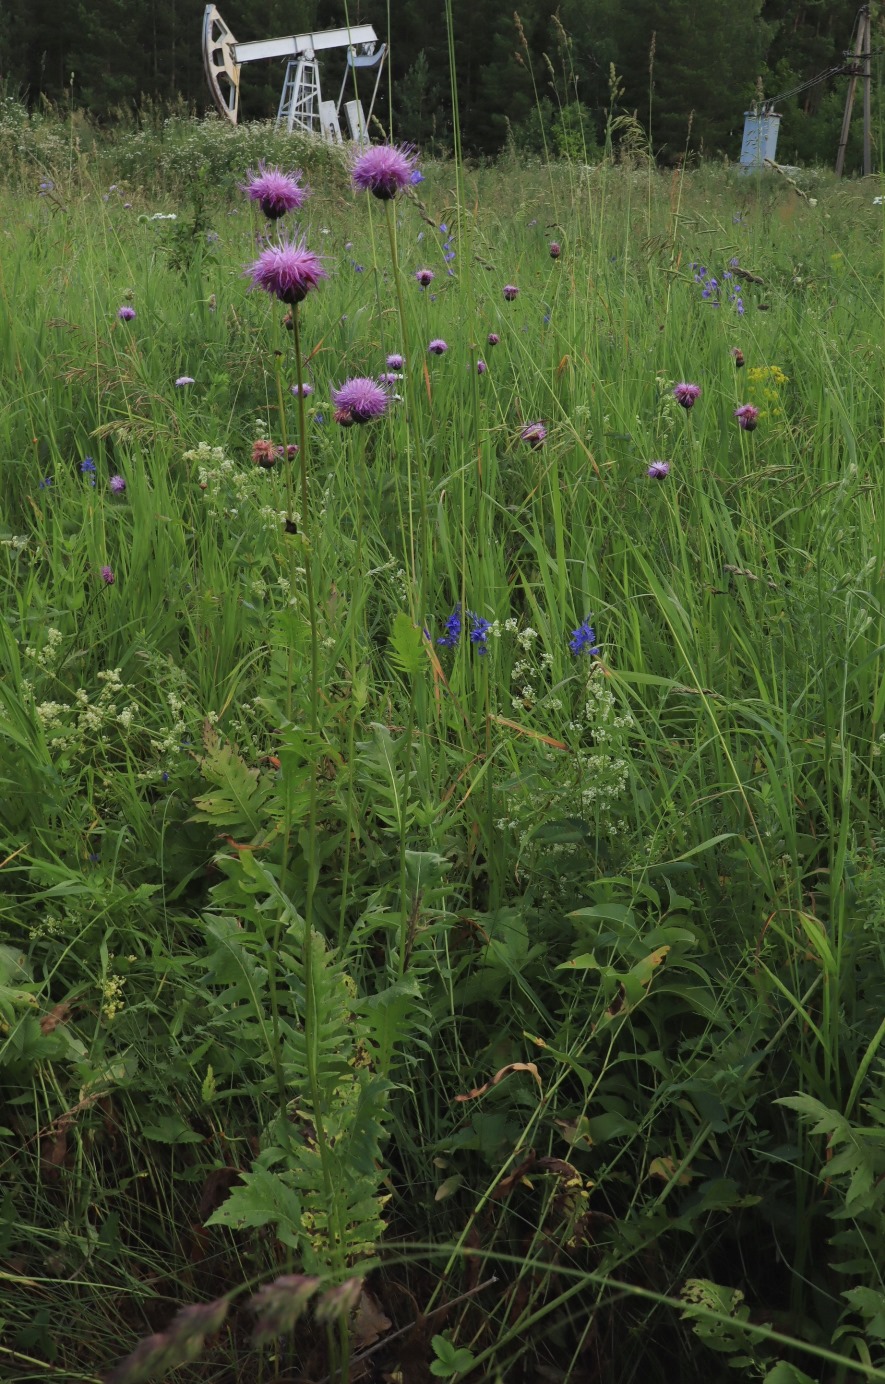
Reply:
x=406 y=645
x=171 y=1129
x=261 y=1199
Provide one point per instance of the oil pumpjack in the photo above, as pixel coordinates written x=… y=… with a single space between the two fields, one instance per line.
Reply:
x=302 y=106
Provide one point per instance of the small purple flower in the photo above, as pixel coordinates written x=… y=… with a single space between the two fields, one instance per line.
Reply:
x=481 y=367
x=453 y=629
x=275 y=192
x=510 y=291
x=437 y=347
x=493 y=338
x=46 y=483
x=583 y=640
x=306 y=390
x=183 y=381
x=361 y=399
x=415 y=177
x=424 y=277
x=748 y=417
x=534 y=434
x=479 y=631
x=88 y=466
x=659 y=470
x=389 y=378
x=287 y=270
x=444 y=228
x=126 y=313
x=107 y=576
x=117 y=484
x=555 y=249
x=395 y=361
x=687 y=394
x=384 y=170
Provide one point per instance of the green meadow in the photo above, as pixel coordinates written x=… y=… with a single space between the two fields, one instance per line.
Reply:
x=443 y=869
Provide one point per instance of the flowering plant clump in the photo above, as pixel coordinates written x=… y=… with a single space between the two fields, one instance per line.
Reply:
x=289 y=271
x=361 y=399
x=275 y=192
x=772 y=379
x=748 y=417
x=712 y=289
x=384 y=170
x=686 y=395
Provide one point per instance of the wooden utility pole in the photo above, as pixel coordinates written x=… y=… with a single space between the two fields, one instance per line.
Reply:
x=867 y=75
x=861 y=45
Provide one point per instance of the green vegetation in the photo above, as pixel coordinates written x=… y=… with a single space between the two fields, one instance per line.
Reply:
x=534 y=978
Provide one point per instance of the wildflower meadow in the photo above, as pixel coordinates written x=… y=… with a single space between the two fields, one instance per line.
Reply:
x=442 y=707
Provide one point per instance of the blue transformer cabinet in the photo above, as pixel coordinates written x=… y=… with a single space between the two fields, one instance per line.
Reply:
x=760 y=139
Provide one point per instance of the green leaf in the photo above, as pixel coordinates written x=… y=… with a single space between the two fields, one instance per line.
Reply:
x=171 y=1129
x=261 y=1199
x=406 y=645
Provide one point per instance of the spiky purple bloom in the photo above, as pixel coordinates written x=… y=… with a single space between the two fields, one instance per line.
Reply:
x=510 y=291
x=395 y=361
x=361 y=398
x=659 y=470
x=493 y=338
x=117 y=484
x=389 y=378
x=748 y=417
x=687 y=394
x=424 y=277
x=306 y=390
x=583 y=640
x=555 y=249
x=183 y=381
x=287 y=270
x=481 y=367
x=453 y=629
x=107 y=576
x=438 y=347
x=384 y=170
x=534 y=434
x=275 y=192
x=125 y=313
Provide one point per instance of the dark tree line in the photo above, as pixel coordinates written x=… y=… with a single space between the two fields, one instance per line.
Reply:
x=542 y=76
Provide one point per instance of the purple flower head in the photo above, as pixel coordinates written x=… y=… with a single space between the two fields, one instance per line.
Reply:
x=416 y=176
x=363 y=399
x=453 y=629
x=107 y=576
x=88 y=465
x=306 y=390
x=479 y=631
x=183 y=381
x=437 y=346
x=659 y=470
x=384 y=170
x=583 y=640
x=125 y=313
x=481 y=367
x=389 y=378
x=555 y=249
x=287 y=270
x=510 y=291
x=395 y=361
x=748 y=417
x=117 y=484
x=737 y=356
x=493 y=338
x=534 y=434
x=425 y=277
x=687 y=394
x=275 y=192
x=46 y=483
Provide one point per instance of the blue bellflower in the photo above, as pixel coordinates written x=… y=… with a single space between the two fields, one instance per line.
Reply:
x=583 y=640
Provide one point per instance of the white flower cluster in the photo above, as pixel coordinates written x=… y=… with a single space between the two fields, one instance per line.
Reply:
x=230 y=487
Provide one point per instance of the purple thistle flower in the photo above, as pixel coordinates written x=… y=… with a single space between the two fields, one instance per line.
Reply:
x=534 y=434
x=748 y=417
x=389 y=378
x=687 y=394
x=555 y=249
x=583 y=640
x=395 y=361
x=437 y=346
x=361 y=399
x=125 y=313
x=453 y=629
x=384 y=170
x=306 y=390
x=107 y=576
x=275 y=192
x=493 y=338
x=425 y=277
x=659 y=470
x=184 y=380
x=287 y=270
x=117 y=484
x=510 y=291
x=481 y=367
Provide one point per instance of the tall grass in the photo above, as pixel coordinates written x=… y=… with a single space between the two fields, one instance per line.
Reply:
x=643 y=889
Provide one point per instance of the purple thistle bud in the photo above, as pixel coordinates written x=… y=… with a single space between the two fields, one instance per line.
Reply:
x=583 y=640
x=424 y=277
x=493 y=338
x=125 y=313
x=107 y=576
x=287 y=270
x=437 y=347
x=395 y=361
x=384 y=170
x=510 y=291
x=659 y=470
x=362 y=399
x=481 y=367
x=748 y=417
x=275 y=192
x=306 y=390
x=687 y=394
x=117 y=484
x=534 y=434
x=555 y=249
